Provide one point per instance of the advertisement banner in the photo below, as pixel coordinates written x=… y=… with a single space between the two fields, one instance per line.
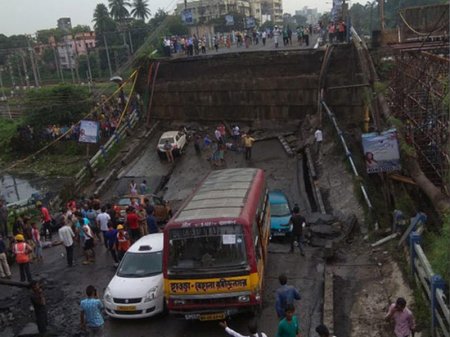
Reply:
x=88 y=131
x=381 y=153
x=186 y=16
x=229 y=20
x=250 y=22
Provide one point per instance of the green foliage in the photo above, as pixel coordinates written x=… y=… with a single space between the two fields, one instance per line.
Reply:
x=219 y=23
x=300 y=20
x=118 y=9
x=140 y=10
x=439 y=251
x=266 y=25
x=80 y=29
x=8 y=129
x=44 y=35
x=62 y=104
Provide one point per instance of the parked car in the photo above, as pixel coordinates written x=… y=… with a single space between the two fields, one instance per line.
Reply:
x=280 y=213
x=136 y=290
x=163 y=211
x=177 y=139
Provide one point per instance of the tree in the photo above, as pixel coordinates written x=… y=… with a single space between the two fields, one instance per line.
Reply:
x=102 y=20
x=140 y=10
x=267 y=25
x=158 y=19
x=81 y=29
x=118 y=9
x=44 y=35
x=300 y=20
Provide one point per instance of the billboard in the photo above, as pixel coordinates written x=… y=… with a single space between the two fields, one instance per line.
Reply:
x=88 y=132
x=186 y=16
x=381 y=153
x=229 y=20
x=250 y=22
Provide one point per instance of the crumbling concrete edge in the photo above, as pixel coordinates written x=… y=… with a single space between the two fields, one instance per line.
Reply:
x=328 y=299
x=313 y=178
x=286 y=146
x=115 y=172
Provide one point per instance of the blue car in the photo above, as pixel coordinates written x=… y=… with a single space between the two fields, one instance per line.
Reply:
x=280 y=213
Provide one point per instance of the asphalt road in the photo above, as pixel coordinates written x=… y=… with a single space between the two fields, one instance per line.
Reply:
x=65 y=286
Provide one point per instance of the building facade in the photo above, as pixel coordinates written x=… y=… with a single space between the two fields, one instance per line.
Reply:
x=273 y=9
x=205 y=10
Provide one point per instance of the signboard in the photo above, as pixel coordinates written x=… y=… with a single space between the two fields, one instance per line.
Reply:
x=250 y=22
x=209 y=285
x=381 y=153
x=229 y=20
x=88 y=132
x=186 y=16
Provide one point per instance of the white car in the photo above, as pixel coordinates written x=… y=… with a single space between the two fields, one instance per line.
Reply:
x=177 y=139
x=136 y=290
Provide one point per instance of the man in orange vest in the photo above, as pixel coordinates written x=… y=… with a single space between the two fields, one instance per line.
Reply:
x=22 y=251
x=123 y=241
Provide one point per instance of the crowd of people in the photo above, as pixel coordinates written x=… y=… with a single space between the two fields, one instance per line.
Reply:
x=191 y=45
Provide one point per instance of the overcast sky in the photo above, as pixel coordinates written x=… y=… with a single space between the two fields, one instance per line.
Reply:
x=28 y=16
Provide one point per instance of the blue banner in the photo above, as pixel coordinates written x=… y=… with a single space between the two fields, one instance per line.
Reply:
x=88 y=132
x=381 y=153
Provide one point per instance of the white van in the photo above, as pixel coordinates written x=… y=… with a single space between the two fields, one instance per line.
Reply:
x=136 y=290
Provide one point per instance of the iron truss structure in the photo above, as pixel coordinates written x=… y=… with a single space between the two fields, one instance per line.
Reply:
x=419 y=98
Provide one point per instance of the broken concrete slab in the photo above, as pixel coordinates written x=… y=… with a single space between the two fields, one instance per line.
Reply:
x=320 y=219
x=29 y=330
x=325 y=231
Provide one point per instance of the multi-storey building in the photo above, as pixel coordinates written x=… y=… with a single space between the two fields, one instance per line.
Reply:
x=205 y=10
x=274 y=9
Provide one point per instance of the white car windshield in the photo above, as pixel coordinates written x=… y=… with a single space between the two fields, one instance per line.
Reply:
x=135 y=265
x=162 y=141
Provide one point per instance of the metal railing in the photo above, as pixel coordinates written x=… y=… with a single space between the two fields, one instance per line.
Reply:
x=433 y=286
x=102 y=153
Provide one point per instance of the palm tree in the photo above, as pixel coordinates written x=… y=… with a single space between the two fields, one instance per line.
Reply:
x=101 y=18
x=118 y=9
x=140 y=10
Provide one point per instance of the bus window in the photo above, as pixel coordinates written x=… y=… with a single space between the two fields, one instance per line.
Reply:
x=219 y=247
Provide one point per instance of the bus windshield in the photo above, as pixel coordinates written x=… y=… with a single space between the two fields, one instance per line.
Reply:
x=209 y=248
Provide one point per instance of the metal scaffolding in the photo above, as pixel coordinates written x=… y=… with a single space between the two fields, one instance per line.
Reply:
x=419 y=87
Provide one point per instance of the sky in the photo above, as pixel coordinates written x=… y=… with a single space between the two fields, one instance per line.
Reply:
x=28 y=16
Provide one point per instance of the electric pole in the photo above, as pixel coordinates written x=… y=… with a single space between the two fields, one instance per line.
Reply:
x=107 y=55
x=33 y=65
x=24 y=64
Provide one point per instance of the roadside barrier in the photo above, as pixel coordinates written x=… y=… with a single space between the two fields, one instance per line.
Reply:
x=432 y=285
x=102 y=154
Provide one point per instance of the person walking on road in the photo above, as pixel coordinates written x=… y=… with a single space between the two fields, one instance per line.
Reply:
x=40 y=308
x=103 y=220
x=285 y=296
x=288 y=326
x=169 y=151
x=111 y=241
x=133 y=224
x=67 y=235
x=23 y=251
x=252 y=328
x=4 y=266
x=248 y=144
x=318 y=137
x=3 y=219
x=123 y=241
x=88 y=248
x=405 y=324
x=298 y=222
x=36 y=236
x=91 y=318
x=46 y=220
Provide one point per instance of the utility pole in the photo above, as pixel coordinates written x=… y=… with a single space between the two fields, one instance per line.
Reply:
x=33 y=65
x=57 y=64
x=381 y=5
x=107 y=55
x=11 y=76
x=69 y=60
x=131 y=42
x=88 y=61
x=3 y=93
x=24 y=64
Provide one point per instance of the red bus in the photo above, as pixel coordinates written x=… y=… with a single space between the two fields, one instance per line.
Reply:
x=215 y=246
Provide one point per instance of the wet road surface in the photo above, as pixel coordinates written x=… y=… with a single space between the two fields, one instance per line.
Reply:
x=65 y=286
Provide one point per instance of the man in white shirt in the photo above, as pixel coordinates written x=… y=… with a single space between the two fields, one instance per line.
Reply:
x=218 y=136
x=252 y=328
x=318 y=136
x=103 y=220
x=66 y=235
